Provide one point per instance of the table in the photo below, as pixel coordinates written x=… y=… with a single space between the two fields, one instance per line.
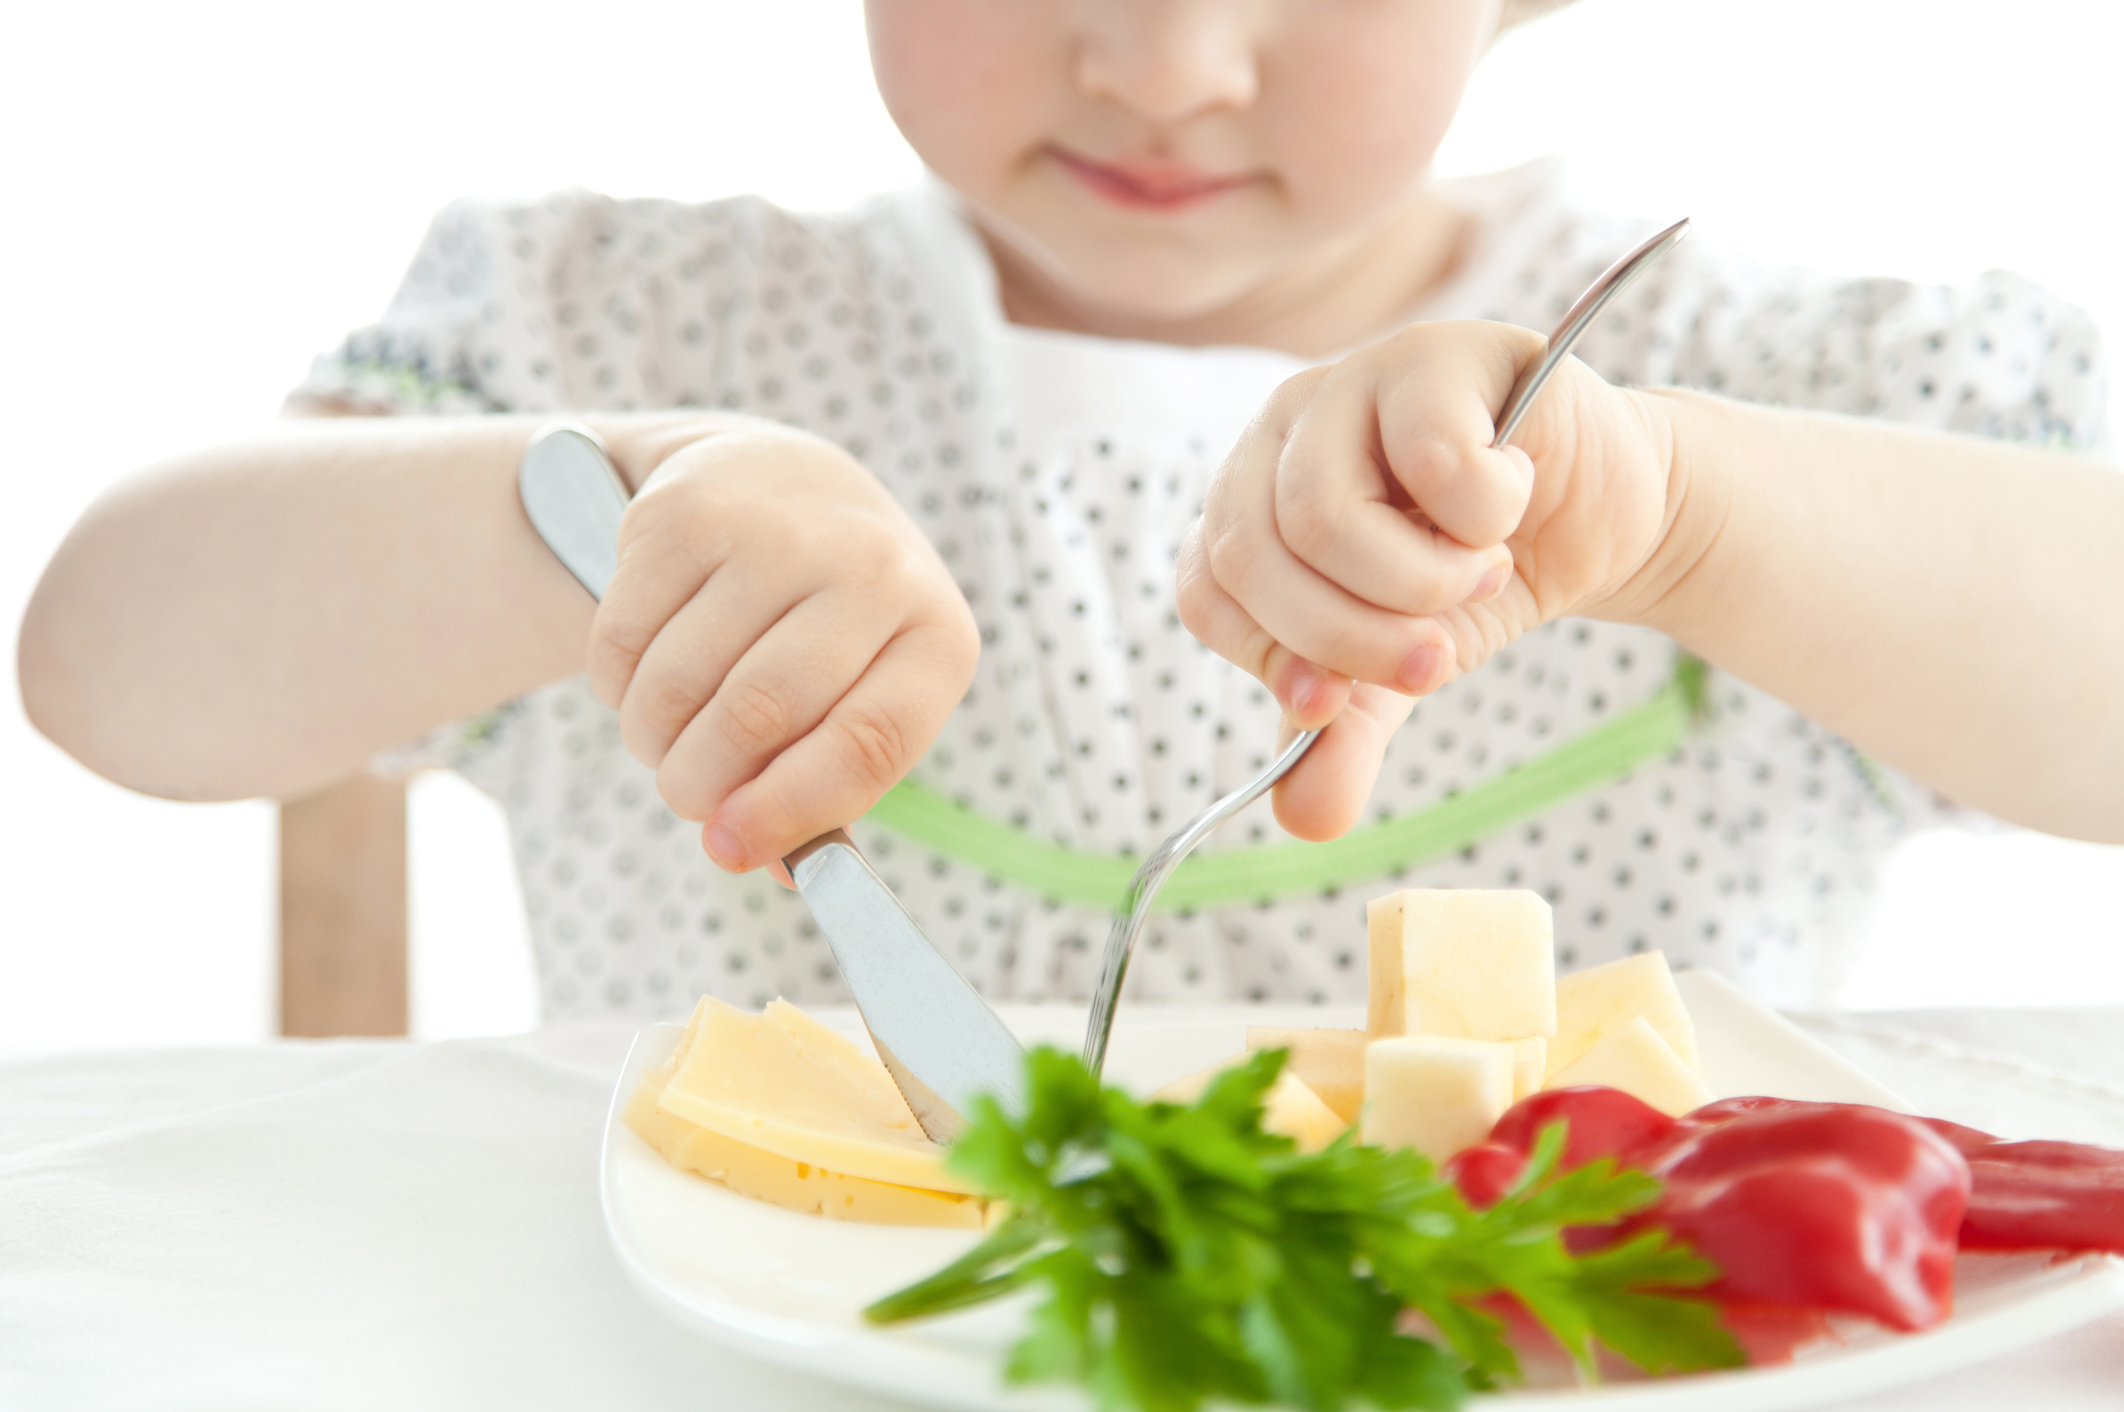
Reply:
x=310 y=1226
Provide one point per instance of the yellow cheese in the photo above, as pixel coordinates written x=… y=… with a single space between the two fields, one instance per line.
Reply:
x=782 y=1082
x=1464 y=963
x=1329 y=1062
x=1635 y=1059
x=1530 y=1064
x=1289 y=1108
x=795 y=1186
x=1593 y=1002
x=1435 y=1094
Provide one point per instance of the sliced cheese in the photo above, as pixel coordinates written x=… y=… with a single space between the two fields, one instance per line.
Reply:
x=1289 y=1108
x=1329 y=1062
x=781 y=1181
x=1593 y=1002
x=1636 y=1059
x=1463 y=963
x=1433 y=1093
x=782 y=1082
x=1530 y=1065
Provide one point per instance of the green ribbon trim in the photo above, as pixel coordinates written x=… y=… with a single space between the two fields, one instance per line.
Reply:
x=1605 y=753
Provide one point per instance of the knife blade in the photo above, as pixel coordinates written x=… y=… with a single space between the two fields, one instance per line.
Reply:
x=934 y=1033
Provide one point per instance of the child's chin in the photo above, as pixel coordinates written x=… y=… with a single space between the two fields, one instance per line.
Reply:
x=1153 y=288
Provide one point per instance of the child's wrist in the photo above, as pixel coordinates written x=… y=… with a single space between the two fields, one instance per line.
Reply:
x=1667 y=590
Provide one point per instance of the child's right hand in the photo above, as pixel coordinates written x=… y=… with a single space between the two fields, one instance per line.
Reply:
x=780 y=641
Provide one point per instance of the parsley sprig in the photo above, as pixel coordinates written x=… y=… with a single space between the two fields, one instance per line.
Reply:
x=1185 y=1256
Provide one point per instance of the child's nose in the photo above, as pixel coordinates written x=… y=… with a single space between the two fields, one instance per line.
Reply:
x=1169 y=60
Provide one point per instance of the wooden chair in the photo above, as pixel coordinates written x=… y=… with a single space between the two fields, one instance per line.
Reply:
x=343 y=910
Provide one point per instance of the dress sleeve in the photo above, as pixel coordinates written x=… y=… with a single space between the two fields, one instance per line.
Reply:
x=574 y=302
x=422 y=356
x=2000 y=358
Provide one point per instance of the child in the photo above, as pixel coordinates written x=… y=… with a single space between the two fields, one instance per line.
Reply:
x=914 y=484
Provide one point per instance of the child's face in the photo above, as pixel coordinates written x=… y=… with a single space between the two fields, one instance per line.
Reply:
x=1159 y=159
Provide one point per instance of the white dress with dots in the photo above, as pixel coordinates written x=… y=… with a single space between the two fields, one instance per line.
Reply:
x=1055 y=474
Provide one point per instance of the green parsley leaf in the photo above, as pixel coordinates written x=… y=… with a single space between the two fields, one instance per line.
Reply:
x=1183 y=1255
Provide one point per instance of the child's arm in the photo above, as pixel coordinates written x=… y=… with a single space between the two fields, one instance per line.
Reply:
x=1947 y=604
x=262 y=619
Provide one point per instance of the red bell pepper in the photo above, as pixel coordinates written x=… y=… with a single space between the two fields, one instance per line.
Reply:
x=1806 y=1206
x=2039 y=1195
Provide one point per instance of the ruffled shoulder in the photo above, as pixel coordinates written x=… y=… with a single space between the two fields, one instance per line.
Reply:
x=574 y=301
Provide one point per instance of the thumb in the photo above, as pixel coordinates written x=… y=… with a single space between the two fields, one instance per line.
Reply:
x=1324 y=795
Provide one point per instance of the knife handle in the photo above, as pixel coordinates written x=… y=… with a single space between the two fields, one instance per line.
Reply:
x=575 y=500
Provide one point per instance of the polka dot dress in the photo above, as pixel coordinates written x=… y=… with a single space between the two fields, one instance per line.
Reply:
x=1056 y=474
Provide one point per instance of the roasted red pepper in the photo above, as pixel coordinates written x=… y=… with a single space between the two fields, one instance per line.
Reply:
x=1807 y=1206
x=2039 y=1195
x=2064 y=1196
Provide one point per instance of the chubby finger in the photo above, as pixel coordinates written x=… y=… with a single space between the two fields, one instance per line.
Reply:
x=1309 y=694
x=1343 y=514
x=659 y=572
x=1324 y=795
x=694 y=652
x=838 y=770
x=779 y=690
x=1307 y=613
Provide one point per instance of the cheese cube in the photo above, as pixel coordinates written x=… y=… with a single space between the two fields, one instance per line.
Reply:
x=1592 y=1002
x=784 y=1083
x=1329 y=1062
x=1289 y=1109
x=1434 y=1093
x=782 y=1181
x=1462 y=963
x=1635 y=1059
x=1530 y=1065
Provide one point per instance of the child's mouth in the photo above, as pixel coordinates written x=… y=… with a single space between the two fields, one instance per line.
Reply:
x=1151 y=186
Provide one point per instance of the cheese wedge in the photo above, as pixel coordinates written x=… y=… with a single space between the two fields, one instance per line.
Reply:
x=781 y=1181
x=1530 y=1065
x=1433 y=1093
x=1592 y=1002
x=782 y=1082
x=1462 y=963
x=1289 y=1109
x=1329 y=1062
x=1636 y=1059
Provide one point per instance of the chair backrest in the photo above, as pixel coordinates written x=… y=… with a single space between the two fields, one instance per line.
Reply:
x=343 y=910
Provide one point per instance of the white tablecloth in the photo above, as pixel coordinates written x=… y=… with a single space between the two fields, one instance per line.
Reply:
x=389 y=1225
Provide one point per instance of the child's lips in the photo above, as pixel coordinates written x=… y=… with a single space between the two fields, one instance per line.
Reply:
x=1155 y=186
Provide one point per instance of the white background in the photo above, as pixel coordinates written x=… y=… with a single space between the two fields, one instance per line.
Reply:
x=196 y=198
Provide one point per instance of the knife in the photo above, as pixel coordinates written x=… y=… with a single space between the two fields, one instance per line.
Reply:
x=934 y=1033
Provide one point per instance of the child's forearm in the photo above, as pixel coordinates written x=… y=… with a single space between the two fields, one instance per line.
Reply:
x=1952 y=606
x=262 y=618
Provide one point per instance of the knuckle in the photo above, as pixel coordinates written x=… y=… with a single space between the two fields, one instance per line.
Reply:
x=655 y=709
x=619 y=635
x=685 y=794
x=963 y=642
x=872 y=746
x=1232 y=555
x=1294 y=392
x=1193 y=599
x=754 y=716
x=1427 y=461
x=1309 y=527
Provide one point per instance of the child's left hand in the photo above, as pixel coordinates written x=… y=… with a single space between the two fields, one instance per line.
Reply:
x=1363 y=544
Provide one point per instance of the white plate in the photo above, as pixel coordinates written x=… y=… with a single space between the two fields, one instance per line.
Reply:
x=787 y=1288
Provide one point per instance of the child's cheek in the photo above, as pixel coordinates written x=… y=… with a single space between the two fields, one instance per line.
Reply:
x=961 y=78
x=1356 y=110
